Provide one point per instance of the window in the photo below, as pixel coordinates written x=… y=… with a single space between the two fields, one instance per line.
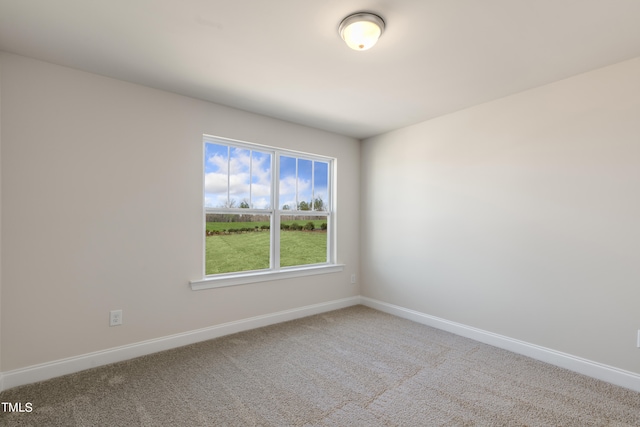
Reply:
x=266 y=211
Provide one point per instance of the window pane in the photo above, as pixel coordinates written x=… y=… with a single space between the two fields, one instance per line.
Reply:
x=320 y=186
x=260 y=180
x=236 y=243
x=216 y=161
x=287 y=184
x=305 y=185
x=303 y=240
x=239 y=177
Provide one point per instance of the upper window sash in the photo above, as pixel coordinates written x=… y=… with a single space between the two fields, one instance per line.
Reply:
x=318 y=168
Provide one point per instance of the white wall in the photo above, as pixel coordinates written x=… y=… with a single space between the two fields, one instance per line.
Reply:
x=1 y=224
x=102 y=209
x=519 y=217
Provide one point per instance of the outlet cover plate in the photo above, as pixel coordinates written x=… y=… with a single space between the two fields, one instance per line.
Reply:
x=115 y=317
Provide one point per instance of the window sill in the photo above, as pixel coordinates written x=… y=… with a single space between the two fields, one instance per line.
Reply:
x=263 y=276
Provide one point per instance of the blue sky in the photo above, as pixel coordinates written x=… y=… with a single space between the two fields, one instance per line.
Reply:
x=246 y=176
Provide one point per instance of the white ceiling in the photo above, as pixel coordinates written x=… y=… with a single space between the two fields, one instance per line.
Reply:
x=285 y=59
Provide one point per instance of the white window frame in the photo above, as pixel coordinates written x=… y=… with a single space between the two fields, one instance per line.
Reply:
x=274 y=272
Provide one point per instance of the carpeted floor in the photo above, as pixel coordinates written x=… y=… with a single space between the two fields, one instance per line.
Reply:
x=351 y=367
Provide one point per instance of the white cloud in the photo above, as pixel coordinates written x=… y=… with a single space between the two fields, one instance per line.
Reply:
x=288 y=186
x=215 y=183
x=258 y=190
x=219 y=162
x=239 y=183
x=261 y=203
x=214 y=201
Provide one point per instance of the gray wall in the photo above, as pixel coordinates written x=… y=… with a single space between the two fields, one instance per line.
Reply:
x=519 y=217
x=102 y=209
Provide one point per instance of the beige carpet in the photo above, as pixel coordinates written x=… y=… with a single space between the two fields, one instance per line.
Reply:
x=351 y=367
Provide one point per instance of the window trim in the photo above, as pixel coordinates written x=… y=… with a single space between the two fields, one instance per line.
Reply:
x=243 y=278
x=275 y=271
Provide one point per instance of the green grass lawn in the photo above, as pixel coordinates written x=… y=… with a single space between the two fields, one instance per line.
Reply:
x=300 y=247
x=250 y=251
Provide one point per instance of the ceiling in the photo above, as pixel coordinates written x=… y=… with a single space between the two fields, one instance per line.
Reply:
x=285 y=59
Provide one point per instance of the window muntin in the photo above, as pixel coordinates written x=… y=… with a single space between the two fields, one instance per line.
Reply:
x=240 y=193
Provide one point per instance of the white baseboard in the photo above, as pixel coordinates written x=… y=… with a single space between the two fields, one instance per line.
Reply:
x=70 y=365
x=586 y=367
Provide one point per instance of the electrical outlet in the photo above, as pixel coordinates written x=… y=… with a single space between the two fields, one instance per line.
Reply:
x=353 y=278
x=115 y=317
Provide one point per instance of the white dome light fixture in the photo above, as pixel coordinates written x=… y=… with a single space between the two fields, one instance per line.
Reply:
x=361 y=30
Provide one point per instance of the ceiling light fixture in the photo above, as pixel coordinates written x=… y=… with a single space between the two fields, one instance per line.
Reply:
x=361 y=30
